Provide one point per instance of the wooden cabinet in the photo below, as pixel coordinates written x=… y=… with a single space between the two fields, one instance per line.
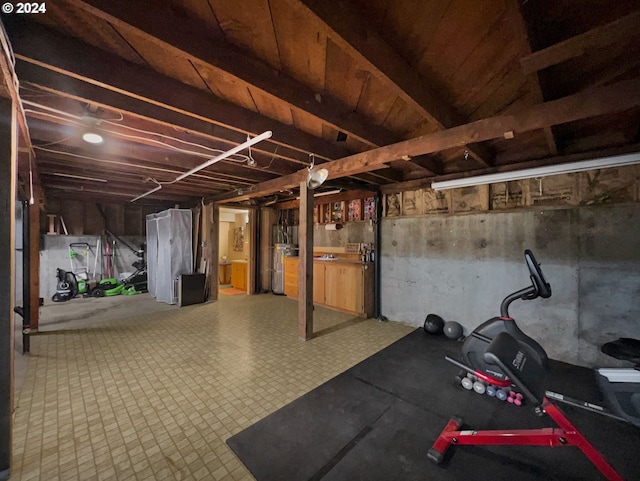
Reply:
x=340 y=285
x=345 y=287
x=239 y=275
x=291 y=276
x=318 y=282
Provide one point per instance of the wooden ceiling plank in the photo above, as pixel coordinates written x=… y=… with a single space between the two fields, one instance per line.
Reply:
x=516 y=18
x=165 y=63
x=160 y=26
x=344 y=78
x=302 y=47
x=463 y=27
x=621 y=30
x=76 y=23
x=250 y=26
x=351 y=32
x=40 y=46
x=605 y=100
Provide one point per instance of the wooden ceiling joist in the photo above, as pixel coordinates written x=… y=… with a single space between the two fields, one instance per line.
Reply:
x=604 y=100
x=621 y=30
x=533 y=80
x=133 y=152
x=560 y=159
x=351 y=31
x=160 y=25
x=38 y=49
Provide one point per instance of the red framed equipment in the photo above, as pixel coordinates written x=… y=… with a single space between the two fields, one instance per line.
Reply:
x=504 y=352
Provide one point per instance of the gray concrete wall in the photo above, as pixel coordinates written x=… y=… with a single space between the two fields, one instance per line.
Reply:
x=54 y=253
x=356 y=232
x=462 y=266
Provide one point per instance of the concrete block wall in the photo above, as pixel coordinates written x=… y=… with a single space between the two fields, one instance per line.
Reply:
x=356 y=232
x=462 y=266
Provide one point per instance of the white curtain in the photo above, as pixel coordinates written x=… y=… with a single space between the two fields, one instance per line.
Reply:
x=169 y=252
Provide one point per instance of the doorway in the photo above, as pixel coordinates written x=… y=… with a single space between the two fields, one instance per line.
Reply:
x=235 y=251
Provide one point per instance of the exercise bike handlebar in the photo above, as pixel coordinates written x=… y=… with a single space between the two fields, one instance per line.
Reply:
x=539 y=286
x=543 y=288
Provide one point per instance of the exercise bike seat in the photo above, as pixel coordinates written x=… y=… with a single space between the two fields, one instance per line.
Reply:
x=625 y=349
x=526 y=372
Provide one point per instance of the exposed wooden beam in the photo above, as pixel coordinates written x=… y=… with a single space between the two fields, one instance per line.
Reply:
x=604 y=100
x=8 y=172
x=352 y=33
x=621 y=30
x=159 y=25
x=560 y=159
x=305 y=264
x=27 y=171
x=516 y=19
x=108 y=80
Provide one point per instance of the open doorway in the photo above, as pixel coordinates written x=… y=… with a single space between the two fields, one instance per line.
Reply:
x=235 y=252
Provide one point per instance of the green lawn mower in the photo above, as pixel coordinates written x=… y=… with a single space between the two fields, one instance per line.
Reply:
x=136 y=283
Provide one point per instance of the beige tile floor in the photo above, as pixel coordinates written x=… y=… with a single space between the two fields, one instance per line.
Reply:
x=155 y=396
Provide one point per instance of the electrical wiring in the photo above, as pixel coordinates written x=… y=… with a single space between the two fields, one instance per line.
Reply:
x=217 y=180
x=48 y=144
x=77 y=120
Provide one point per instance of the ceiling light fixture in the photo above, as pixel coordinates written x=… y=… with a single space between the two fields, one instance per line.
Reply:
x=92 y=138
x=568 y=168
x=90 y=134
x=315 y=177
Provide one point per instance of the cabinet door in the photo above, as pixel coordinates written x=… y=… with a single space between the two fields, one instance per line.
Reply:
x=331 y=284
x=291 y=276
x=344 y=287
x=350 y=295
x=239 y=275
x=318 y=283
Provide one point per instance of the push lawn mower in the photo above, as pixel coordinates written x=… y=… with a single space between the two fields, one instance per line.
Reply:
x=136 y=283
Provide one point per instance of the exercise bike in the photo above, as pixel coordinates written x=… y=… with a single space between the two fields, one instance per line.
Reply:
x=499 y=357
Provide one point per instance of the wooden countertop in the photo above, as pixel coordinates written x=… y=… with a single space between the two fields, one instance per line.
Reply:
x=338 y=260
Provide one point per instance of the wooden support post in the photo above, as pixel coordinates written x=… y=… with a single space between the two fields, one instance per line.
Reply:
x=305 y=264
x=253 y=238
x=34 y=260
x=212 y=223
x=8 y=168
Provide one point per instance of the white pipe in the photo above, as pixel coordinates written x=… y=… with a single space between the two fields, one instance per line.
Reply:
x=147 y=193
x=224 y=155
x=228 y=153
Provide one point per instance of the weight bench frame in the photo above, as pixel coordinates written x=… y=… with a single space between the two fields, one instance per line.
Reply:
x=566 y=434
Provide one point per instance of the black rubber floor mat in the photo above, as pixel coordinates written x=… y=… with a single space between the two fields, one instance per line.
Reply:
x=377 y=421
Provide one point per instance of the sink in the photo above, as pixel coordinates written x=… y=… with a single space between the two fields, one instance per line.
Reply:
x=325 y=258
